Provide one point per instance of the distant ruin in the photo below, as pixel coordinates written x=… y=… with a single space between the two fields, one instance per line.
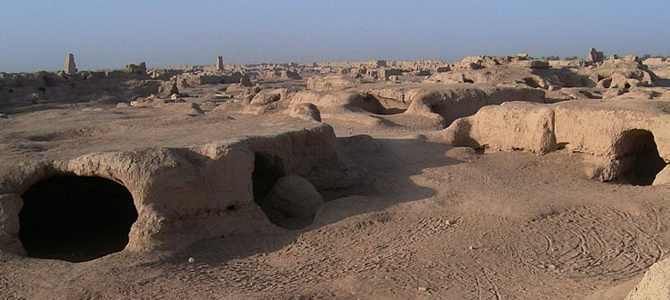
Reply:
x=145 y=159
x=596 y=56
x=219 y=63
x=70 y=67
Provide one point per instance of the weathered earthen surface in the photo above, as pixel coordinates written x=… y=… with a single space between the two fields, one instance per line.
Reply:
x=425 y=104
x=200 y=162
x=331 y=83
x=304 y=111
x=511 y=126
x=184 y=191
x=663 y=177
x=453 y=102
x=655 y=284
x=615 y=133
x=268 y=96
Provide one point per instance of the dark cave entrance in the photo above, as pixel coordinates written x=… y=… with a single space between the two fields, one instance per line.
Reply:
x=638 y=154
x=267 y=171
x=75 y=218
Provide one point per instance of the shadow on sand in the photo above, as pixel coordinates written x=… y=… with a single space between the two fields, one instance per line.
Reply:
x=388 y=165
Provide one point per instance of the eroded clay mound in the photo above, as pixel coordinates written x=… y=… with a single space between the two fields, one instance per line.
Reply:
x=183 y=182
x=625 y=140
x=655 y=284
x=507 y=127
x=425 y=105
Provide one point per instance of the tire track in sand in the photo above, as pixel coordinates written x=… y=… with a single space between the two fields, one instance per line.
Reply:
x=598 y=243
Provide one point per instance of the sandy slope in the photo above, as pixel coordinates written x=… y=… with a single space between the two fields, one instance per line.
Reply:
x=429 y=221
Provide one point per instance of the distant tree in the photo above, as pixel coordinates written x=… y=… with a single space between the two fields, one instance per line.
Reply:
x=550 y=57
x=574 y=57
x=646 y=56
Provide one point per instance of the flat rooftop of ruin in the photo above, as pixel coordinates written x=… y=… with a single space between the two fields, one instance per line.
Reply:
x=71 y=132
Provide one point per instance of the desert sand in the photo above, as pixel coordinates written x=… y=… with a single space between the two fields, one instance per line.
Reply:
x=490 y=178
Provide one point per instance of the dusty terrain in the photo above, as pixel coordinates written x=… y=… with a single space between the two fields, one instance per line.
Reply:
x=426 y=219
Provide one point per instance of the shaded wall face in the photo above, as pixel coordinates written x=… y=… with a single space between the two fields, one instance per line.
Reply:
x=76 y=218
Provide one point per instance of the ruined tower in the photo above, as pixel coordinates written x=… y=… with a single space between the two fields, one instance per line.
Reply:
x=70 y=67
x=219 y=63
x=595 y=55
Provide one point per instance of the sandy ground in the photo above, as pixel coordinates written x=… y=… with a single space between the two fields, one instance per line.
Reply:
x=428 y=221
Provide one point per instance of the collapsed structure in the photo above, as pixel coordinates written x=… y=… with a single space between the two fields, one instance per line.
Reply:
x=186 y=153
x=166 y=195
x=625 y=138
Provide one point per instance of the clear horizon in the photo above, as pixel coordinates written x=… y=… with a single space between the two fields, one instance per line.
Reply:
x=110 y=34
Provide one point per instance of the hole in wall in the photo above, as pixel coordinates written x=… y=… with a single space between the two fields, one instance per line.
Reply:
x=75 y=218
x=638 y=155
x=606 y=82
x=284 y=206
x=267 y=171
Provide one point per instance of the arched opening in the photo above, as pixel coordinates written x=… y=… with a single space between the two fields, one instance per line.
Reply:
x=283 y=204
x=638 y=156
x=75 y=218
x=606 y=83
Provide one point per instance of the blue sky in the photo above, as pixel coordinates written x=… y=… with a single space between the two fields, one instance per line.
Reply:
x=36 y=35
